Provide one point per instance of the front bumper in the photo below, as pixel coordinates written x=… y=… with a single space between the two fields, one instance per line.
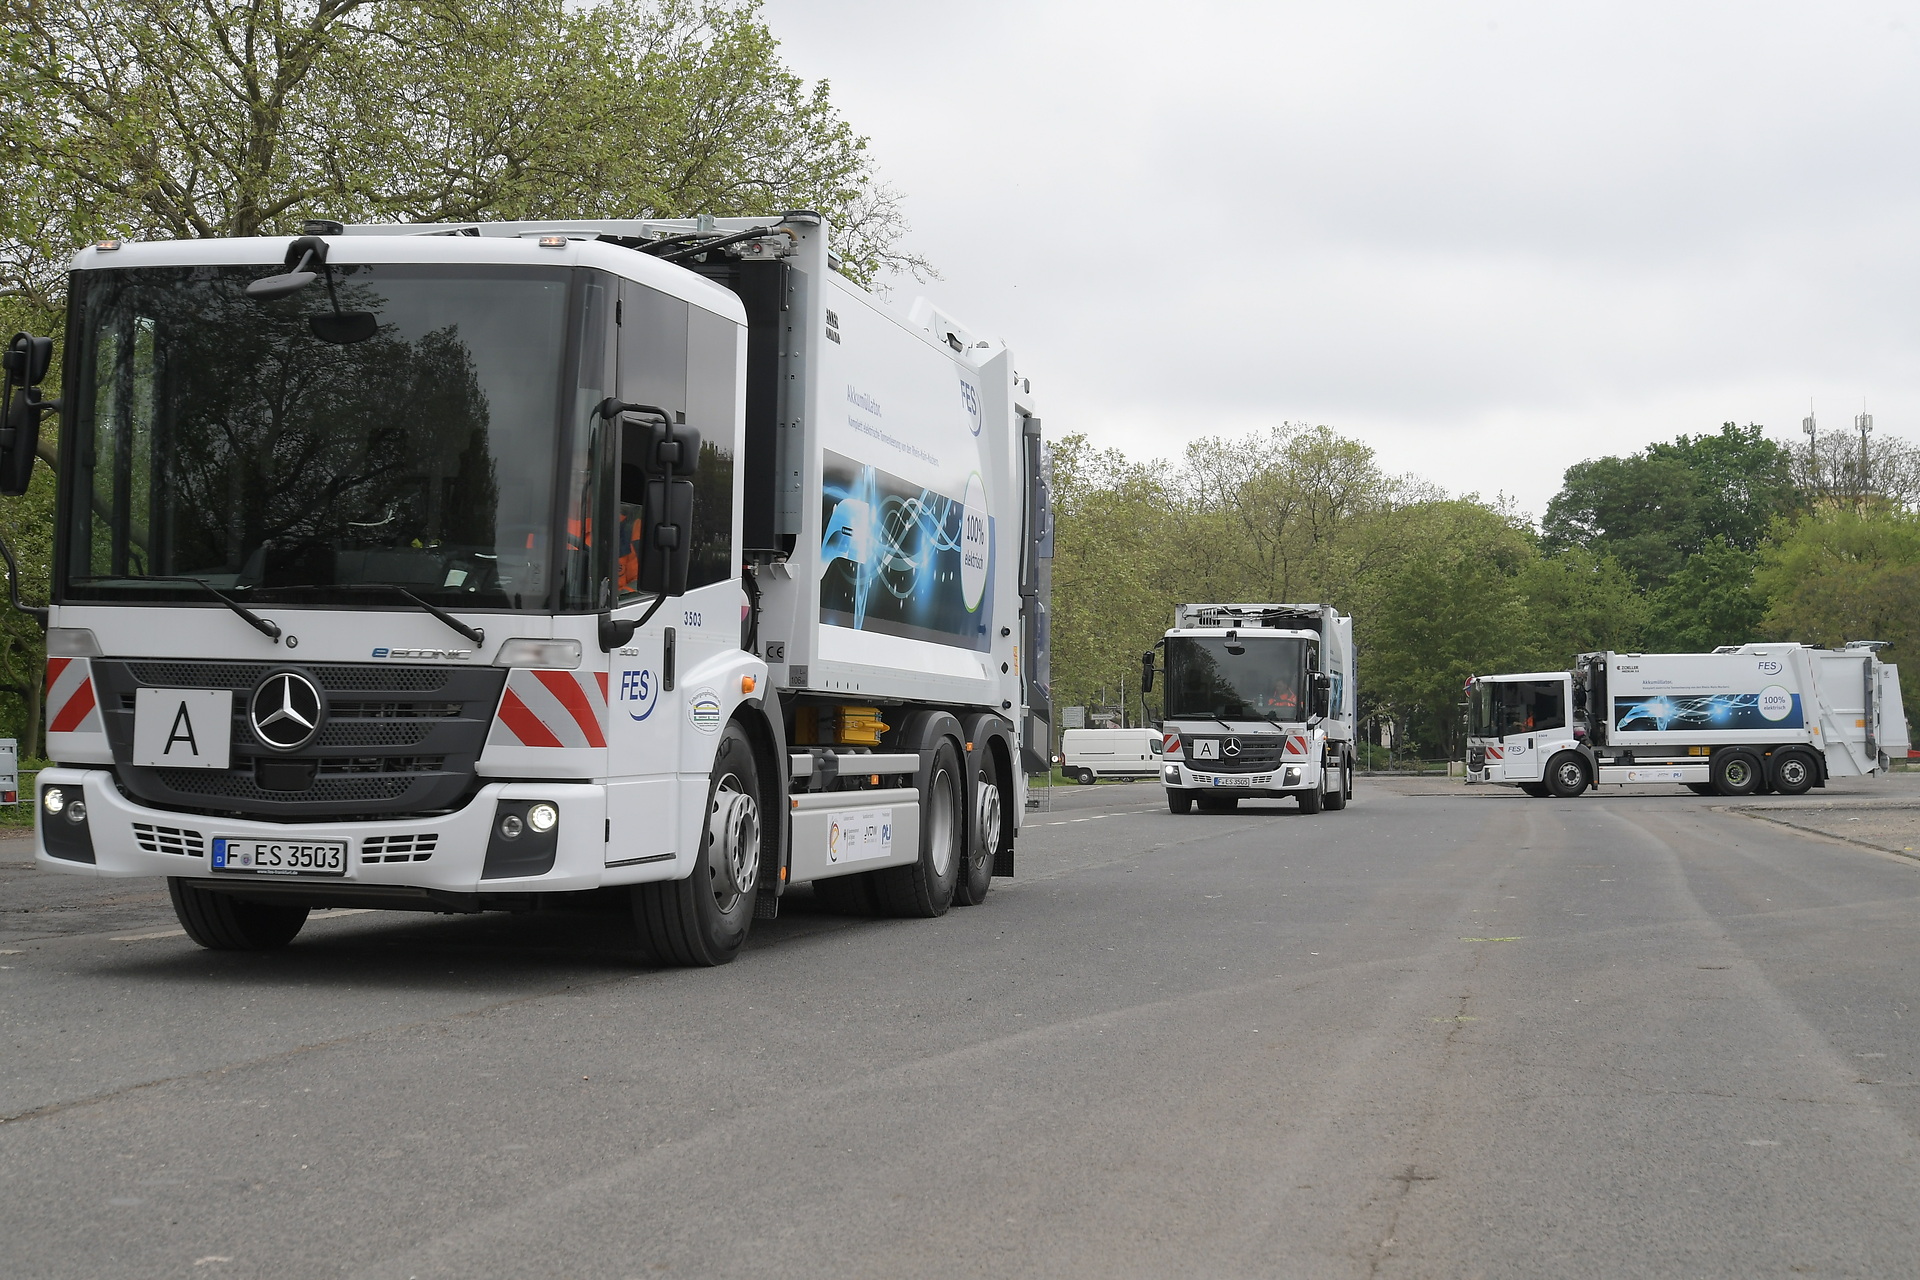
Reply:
x=1286 y=779
x=179 y=844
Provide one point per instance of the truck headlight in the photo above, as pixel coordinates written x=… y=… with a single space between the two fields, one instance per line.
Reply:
x=543 y=817
x=54 y=799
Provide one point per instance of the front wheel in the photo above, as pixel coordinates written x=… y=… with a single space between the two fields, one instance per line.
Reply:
x=1085 y=777
x=1179 y=801
x=1567 y=775
x=222 y=923
x=703 y=920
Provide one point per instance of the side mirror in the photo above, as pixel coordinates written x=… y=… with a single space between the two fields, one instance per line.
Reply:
x=666 y=550
x=25 y=362
x=1146 y=672
x=1322 y=694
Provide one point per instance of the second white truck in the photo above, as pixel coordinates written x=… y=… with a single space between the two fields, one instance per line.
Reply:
x=1735 y=722
x=1259 y=704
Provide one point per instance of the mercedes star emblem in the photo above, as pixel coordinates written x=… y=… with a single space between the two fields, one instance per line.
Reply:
x=285 y=711
x=1231 y=747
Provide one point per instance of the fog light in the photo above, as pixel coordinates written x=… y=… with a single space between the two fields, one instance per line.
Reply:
x=511 y=827
x=77 y=812
x=1293 y=775
x=54 y=799
x=543 y=817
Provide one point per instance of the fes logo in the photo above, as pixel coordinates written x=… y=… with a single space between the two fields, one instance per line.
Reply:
x=639 y=693
x=703 y=709
x=970 y=401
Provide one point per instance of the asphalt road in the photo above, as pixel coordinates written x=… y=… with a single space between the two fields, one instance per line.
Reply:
x=1443 y=1033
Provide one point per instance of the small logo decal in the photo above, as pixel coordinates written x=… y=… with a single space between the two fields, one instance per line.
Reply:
x=703 y=709
x=639 y=693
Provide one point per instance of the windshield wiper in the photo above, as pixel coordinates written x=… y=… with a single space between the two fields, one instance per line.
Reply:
x=475 y=634
x=268 y=629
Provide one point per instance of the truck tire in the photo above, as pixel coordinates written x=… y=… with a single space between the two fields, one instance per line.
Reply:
x=987 y=834
x=924 y=887
x=1736 y=772
x=703 y=920
x=221 y=923
x=1568 y=775
x=1179 y=801
x=1312 y=800
x=1794 y=773
x=1337 y=798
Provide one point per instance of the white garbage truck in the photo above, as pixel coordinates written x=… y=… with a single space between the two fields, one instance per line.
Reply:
x=453 y=568
x=1258 y=703
x=1738 y=721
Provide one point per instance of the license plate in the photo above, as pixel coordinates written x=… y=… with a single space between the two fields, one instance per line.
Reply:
x=1232 y=782
x=280 y=857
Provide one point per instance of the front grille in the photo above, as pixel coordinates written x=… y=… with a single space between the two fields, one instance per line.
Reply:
x=409 y=848
x=382 y=751
x=180 y=840
x=1257 y=755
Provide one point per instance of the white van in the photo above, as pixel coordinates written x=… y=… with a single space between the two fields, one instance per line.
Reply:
x=1092 y=754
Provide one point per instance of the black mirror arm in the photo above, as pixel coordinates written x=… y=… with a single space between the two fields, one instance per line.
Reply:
x=615 y=632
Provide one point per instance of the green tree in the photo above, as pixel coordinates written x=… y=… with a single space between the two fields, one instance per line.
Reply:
x=1580 y=602
x=1843 y=575
x=1654 y=509
x=1711 y=601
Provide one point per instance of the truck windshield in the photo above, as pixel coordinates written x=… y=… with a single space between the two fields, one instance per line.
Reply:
x=1266 y=682
x=1502 y=708
x=266 y=448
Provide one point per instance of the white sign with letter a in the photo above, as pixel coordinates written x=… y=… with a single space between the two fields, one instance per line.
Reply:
x=183 y=728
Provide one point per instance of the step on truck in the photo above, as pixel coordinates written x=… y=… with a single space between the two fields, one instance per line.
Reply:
x=457 y=568
x=1739 y=721
x=1258 y=703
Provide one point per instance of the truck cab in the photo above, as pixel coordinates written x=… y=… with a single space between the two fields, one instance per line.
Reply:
x=1259 y=704
x=1516 y=724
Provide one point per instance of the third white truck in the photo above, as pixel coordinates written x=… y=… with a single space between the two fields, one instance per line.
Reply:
x=1738 y=721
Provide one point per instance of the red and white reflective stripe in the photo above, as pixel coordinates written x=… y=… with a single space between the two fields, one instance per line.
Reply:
x=1296 y=746
x=543 y=708
x=1170 y=744
x=71 y=705
x=1494 y=753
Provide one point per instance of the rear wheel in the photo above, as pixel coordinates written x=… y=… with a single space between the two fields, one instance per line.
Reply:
x=1736 y=773
x=703 y=919
x=1179 y=801
x=1794 y=773
x=1567 y=775
x=987 y=837
x=1085 y=777
x=1337 y=798
x=924 y=887
x=222 y=923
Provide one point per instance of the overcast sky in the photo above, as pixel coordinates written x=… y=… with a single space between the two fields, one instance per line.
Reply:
x=1488 y=239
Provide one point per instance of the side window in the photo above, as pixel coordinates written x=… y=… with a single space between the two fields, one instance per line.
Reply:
x=713 y=348
x=1548 y=709
x=653 y=370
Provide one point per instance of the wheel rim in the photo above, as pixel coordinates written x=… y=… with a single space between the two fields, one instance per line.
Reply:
x=986 y=823
x=940 y=821
x=1793 y=772
x=733 y=842
x=1738 y=773
x=1571 y=775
